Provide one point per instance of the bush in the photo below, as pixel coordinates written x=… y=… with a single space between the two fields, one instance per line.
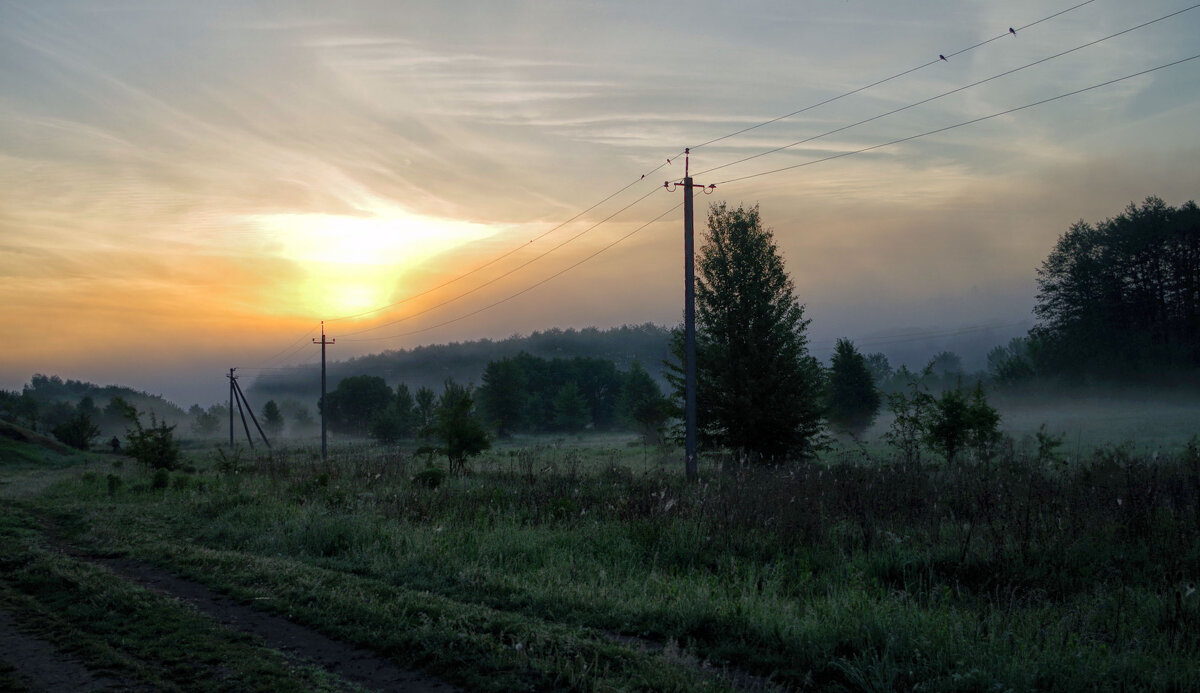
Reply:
x=77 y=431
x=430 y=477
x=155 y=446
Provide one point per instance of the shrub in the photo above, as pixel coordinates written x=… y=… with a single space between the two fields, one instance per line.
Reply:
x=155 y=446
x=430 y=477
x=77 y=431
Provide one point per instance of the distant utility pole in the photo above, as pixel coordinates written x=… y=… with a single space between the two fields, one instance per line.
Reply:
x=232 y=380
x=323 y=405
x=689 y=316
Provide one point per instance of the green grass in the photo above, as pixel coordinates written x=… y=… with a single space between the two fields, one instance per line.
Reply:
x=854 y=573
x=124 y=631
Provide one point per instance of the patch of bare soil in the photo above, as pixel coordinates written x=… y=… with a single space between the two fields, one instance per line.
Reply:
x=354 y=664
x=42 y=667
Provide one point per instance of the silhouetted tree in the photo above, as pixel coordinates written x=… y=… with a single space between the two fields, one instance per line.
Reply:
x=958 y=420
x=1122 y=297
x=426 y=408
x=154 y=446
x=272 y=419
x=570 y=409
x=503 y=396
x=355 y=402
x=880 y=368
x=78 y=431
x=458 y=427
x=1010 y=363
x=643 y=403
x=852 y=400
x=759 y=390
x=396 y=421
x=206 y=423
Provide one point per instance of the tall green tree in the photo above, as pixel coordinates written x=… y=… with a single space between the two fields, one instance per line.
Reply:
x=852 y=400
x=759 y=389
x=503 y=396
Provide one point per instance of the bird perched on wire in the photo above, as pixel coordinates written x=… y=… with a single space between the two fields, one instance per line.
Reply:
x=1012 y=31
x=942 y=57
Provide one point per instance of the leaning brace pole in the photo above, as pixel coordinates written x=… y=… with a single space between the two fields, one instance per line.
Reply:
x=689 y=316
x=250 y=410
x=243 y=415
x=323 y=342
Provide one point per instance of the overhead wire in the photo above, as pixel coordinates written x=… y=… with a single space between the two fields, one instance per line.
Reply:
x=285 y=352
x=643 y=177
x=527 y=289
x=948 y=93
x=885 y=80
x=972 y=121
x=501 y=276
x=703 y=144
x=515 y=249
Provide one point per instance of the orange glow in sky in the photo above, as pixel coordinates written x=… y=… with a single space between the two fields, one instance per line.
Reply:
x=187 y=187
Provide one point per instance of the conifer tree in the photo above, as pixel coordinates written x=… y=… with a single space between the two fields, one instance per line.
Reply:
x=758 y=389
x=852 y=399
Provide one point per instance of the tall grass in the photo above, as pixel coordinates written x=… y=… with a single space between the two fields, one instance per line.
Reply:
x=864 y=573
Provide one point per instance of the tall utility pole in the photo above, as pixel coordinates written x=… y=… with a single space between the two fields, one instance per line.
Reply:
x=689 y=316
x=324 y=405
x=232 y=380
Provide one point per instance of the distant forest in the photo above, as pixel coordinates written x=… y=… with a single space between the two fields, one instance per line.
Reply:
x=465 y=362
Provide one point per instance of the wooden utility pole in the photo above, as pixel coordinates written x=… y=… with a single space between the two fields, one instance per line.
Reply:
x=232 y=380
x=689 y=317
x=324 y=405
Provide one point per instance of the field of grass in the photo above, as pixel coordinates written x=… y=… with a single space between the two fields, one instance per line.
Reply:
x=592 y=565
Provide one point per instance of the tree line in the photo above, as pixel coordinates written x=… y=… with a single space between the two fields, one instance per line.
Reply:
x=1118 y=300
x=521 y=394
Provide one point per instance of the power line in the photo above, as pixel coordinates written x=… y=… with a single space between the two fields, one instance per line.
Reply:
x=952 y=91
x=959 y=125
x=283 y=354
x=525 y=290
x=502 y=276
x=640 y=179
x=888 y=79
x=500 y=257
x=712 y=141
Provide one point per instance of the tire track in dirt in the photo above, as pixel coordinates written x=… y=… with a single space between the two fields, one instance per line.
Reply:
x=354 y=664
x=43 y=667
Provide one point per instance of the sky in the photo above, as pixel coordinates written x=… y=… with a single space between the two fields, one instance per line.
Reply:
x=187 y=187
